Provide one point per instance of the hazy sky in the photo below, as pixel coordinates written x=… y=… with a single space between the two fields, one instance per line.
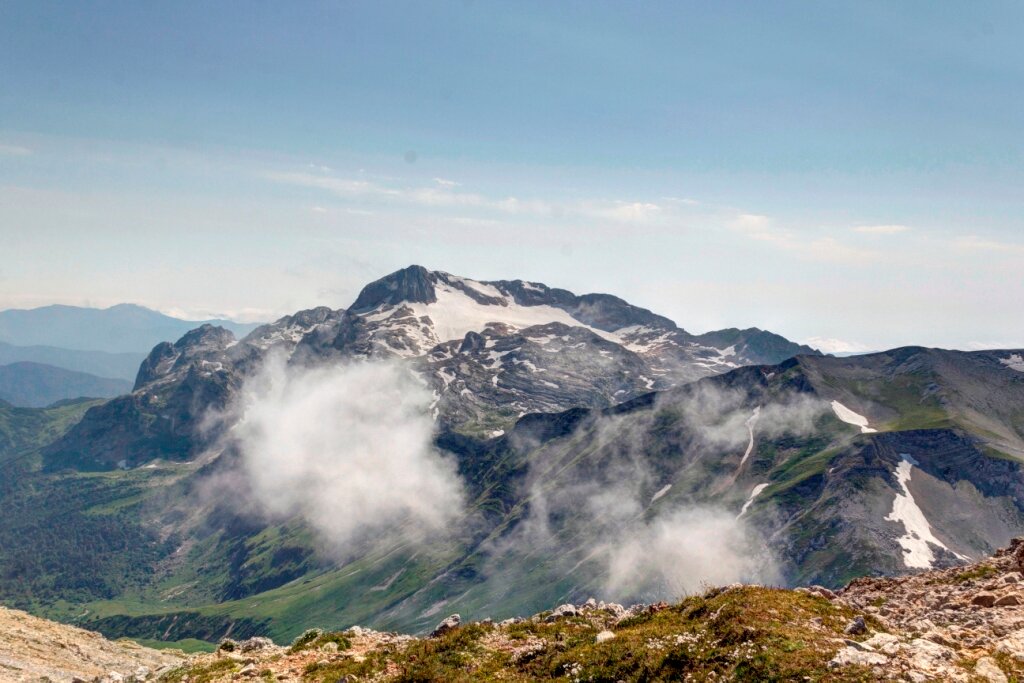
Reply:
x=850 y=171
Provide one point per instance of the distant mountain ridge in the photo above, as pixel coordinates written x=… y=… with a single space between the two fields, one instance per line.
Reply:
x=100 y=363
x=36 y=385
x=124 y=328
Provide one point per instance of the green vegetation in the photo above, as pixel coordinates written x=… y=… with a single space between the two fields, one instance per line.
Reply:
x=982 y=571
x=23 y=430
x=746 y=634
x=188 y=645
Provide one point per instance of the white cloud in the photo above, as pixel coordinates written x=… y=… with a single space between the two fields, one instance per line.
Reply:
x=759 y=227
x=14 y=151
x=977 y=243
x=446 y=196
x=347 y=447
x=833 y=345
x=881 y=229
x=989 y=345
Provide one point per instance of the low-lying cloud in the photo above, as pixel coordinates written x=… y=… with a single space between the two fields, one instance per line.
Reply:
x=348 y=448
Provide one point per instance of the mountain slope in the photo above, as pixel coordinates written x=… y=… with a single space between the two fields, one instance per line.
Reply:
x=124 y=328
x=580 y=476
x=35 y=385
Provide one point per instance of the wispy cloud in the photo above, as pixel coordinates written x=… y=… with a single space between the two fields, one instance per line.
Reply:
x=445 y=195
x=978 y=243
x=761 y=228
x=892 y=229
x=14 y=151
x=833 y=345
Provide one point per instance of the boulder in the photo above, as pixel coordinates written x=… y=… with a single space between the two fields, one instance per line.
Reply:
x=603 y=636
x=449 y=624
x=984 y=599
x=1007 y=600
x=987 y=669
x=856 y=626
x=563 y=611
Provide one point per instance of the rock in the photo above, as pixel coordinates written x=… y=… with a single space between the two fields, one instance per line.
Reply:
x=939 y=637
x=823 y=592
x=142 y=673
x=615 y=609
x=591 y=603
x=859 y=646
x=883 y=642
x=329 y=646
x=984 y=599
x=856 y=657
x=247 y=670
x=254 y=644
x=1007 y=600
x=227 y=645
x=1012 y=577
x=603 y=636
x=987 y=669
x=1018 y=552
x=563 y=611
x=856 y=626
x=449 y=624
x=1012 y=645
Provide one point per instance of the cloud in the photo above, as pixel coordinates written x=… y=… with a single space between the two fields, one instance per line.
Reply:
x=14 y=151
x=977 y=243
x=760 y=228
x=881 y=229
x=833 y=345
x=992 y=345
x=445 y=195
x=346 y=447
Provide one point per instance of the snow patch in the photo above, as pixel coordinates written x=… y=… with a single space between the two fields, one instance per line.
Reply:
x=917 y=554
x=1014 y=362
x=851 y=418
x=750 y=429
x=661 y=492
x=754 y=493
x=454 y=314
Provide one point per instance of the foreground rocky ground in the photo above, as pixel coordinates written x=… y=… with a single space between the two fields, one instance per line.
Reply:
x=33 y=649
x=960 y=624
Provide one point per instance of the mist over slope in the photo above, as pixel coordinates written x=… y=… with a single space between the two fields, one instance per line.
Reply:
x=494 y=448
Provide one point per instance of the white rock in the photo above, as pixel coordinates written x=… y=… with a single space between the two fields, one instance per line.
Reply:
x=604 y=636
x=987 y=668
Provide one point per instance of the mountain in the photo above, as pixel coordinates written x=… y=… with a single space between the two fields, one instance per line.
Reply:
x=124 y=328
x=490 y=351
x=603 y=450
x=100 y=363
x=34 y=385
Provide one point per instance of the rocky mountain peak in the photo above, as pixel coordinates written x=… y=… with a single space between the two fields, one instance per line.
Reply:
x=414 y=284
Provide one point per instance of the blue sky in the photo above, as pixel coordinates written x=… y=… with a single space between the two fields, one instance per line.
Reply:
x=850 y=171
